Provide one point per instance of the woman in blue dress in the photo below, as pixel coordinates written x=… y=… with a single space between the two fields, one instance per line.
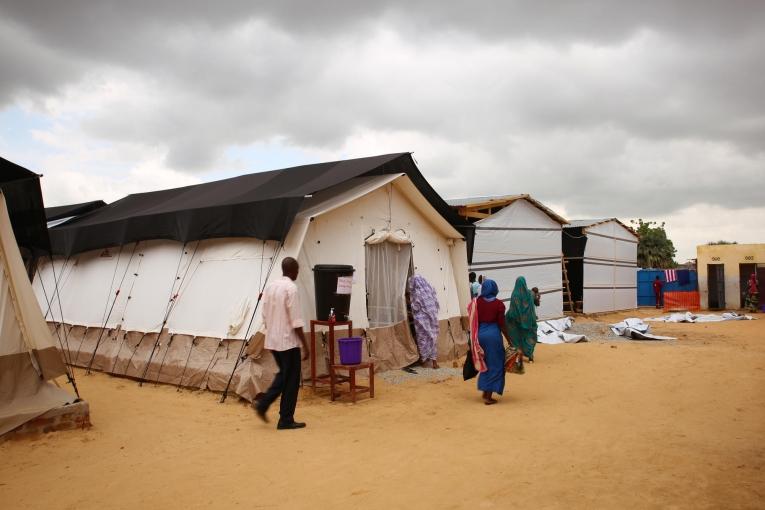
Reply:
x=490 y=313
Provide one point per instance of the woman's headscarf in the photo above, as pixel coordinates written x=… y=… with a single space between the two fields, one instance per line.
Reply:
x=521 y=309
x=489 y=290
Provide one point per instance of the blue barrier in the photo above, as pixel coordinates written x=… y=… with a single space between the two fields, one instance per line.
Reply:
x=645 y=278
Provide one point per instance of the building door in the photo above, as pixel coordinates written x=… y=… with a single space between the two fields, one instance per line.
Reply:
x=745 y=271
x=716 y=286
x=761 y=283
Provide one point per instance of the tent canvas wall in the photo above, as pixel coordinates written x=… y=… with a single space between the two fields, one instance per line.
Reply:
x=602 y=264
x=23 y=198
x=28 y=356
x=204 y=291
x=517 y=236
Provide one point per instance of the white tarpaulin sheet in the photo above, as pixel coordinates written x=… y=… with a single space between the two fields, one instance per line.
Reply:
x=610 y=268
x=552 y=332
x=636 y=329
x=521 y=240
x=689 y=317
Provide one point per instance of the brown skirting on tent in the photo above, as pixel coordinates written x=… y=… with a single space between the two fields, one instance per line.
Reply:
x=23 y=394
x=394 y=347
x=49 y=360
x=188 y=361
x=206 y=363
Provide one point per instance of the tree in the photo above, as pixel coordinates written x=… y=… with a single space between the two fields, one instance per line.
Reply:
x=715 y=243
x=655 y=249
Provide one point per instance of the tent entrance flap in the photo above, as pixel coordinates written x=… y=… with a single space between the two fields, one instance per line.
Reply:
x=387 y=269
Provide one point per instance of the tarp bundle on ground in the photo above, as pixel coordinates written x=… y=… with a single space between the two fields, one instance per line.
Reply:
x=692 y=318
x=28 y=355
x=188 y=280
x=636 y=329
x=553 y=332
x=518 y=236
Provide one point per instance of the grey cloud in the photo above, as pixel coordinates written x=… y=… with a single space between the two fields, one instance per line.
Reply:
x=530 y=86
x=81 y=22
x=28 y=66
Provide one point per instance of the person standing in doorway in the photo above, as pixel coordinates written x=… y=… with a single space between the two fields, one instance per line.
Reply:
x=475 y=287
x=657 y=288
x=752 y=294
x=425 y=314
x=282 y=317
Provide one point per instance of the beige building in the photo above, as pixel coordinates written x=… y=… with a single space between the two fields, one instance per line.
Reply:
x=724 y=271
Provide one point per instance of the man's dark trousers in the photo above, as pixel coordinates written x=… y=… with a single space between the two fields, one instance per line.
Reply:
x=286 y=383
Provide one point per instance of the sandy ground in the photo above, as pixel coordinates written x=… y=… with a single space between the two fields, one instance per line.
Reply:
x=593 y=425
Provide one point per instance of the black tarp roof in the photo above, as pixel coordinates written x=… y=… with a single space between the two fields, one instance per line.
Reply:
x=23 y=198
x=261 y=205
x=67 y=211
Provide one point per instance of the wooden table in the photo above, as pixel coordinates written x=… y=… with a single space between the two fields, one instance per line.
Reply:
x=325 y=378
x=333 y=378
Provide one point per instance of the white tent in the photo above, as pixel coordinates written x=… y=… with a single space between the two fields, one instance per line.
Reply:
x=517 y=236
x=28 y=355
x=602 y=264
x=204 y=292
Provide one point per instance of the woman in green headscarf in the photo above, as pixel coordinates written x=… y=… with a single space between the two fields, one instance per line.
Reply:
x=521 y=318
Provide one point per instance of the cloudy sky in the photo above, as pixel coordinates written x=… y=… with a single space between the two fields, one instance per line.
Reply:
x=599 y=108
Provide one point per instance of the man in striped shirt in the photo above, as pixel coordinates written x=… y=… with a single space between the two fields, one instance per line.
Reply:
x=283 y=319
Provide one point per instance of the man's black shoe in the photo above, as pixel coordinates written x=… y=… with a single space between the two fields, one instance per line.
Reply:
x=290 y=426
x=261 y=413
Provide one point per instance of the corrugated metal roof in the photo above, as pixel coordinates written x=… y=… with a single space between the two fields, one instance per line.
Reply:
x=591 y=223
x=457 y=202
x=587 y=223
x=503 y=201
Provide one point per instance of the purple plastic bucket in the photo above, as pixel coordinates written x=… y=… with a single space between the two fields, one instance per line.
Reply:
x=350 y=350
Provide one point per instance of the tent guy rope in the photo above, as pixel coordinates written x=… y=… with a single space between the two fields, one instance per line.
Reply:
x=246 y=340
x=174 y=297
x=111 y=308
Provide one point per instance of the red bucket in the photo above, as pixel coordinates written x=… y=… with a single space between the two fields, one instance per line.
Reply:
x=350 y=350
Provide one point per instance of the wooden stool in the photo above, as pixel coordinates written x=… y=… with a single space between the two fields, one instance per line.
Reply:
x=355 y=389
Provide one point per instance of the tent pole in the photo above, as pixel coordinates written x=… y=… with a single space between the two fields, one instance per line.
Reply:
x=66 y=352
x=57 y=291
x=162 y=363
x=212 y=359
x=246 y=340
x=114 y=275
x=122 y=320
x=188 y=358
x=171 y=306
x=50 y=303
x=114 y=302
x=135 y=349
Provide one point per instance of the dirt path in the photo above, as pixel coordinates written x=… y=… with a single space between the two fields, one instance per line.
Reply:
x=593 y=425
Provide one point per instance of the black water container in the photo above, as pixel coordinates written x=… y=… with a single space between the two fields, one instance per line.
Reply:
x=325 y=286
